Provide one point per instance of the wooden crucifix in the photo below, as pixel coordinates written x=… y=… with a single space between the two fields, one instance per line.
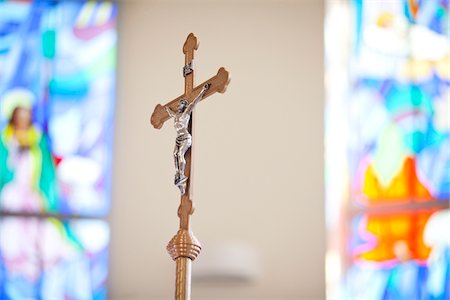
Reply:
x=184 y=247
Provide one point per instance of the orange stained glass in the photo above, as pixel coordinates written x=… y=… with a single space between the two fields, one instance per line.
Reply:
x=398 y=236
x=414 y=7
x=404 y=187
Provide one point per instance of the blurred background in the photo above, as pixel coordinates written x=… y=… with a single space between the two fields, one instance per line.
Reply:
x=387 y=149
x=323 y=172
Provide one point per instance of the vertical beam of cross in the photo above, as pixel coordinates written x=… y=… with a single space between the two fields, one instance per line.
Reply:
x=189 y=47
x=186 y=206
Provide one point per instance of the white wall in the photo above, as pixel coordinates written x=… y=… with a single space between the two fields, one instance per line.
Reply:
x=258 y=169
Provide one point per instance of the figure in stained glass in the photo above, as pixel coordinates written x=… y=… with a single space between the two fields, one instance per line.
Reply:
x=57 y=81
x=27 y=176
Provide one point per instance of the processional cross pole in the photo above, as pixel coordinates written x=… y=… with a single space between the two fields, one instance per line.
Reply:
x=184 y=247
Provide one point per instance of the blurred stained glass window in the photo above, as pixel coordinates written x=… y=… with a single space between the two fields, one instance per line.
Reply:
x=388 y=149
x=57 y=79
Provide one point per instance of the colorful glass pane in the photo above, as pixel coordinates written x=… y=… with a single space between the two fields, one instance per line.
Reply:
x=388 y=127
x=57 y=63
x=53 y=259
x=57 y=79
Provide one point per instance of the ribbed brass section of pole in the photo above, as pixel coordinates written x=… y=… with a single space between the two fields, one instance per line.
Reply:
x=184 y=244
x=183 y=248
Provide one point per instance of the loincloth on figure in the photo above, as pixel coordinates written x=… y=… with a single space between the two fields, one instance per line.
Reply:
x=183 y=140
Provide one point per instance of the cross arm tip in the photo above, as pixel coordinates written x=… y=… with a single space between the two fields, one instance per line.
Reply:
x=224 y=79
x=191 y=43
x=157 y=116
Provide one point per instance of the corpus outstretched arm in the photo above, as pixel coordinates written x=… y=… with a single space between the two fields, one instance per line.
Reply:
x=170 y=112
x=191 y=106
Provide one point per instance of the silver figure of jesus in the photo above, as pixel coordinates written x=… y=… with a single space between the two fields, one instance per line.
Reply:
x=183 y=140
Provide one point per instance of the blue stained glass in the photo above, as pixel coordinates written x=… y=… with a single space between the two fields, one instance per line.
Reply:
x=53 y=259
x=58 y=62
x=57 y=79
x=388 y=81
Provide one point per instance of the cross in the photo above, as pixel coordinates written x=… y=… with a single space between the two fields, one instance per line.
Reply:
x=184 y=247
